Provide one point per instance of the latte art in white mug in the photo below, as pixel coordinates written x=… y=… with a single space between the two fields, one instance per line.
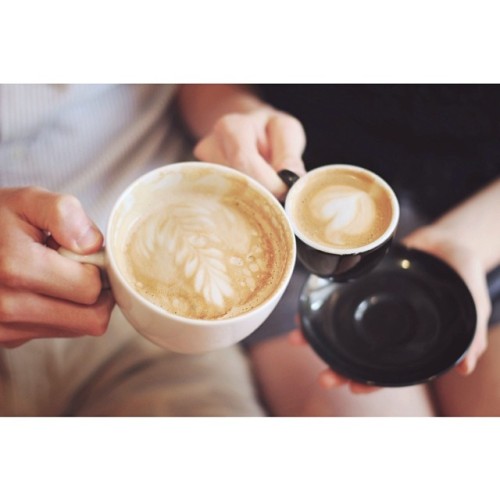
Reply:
x=207 y=251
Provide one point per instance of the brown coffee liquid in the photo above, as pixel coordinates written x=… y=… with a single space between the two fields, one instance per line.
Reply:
x=208 y=252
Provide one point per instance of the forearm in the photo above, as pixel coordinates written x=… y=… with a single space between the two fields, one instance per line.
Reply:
x=475 y=223
x=201 y=105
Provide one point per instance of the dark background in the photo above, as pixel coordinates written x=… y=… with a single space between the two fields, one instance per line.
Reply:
x=436 y=143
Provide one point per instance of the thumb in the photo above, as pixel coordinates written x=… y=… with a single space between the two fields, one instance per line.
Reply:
x=63 y=217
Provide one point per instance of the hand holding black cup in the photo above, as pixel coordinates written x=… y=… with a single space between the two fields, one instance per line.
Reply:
x=344 y=218
x=408 y=320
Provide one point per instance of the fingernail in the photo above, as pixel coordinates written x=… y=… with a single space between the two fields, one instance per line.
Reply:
x=328 y=381
x=89 y=239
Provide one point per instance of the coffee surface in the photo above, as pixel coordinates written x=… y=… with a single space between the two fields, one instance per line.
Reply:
x=209 y=249
x=342 y=209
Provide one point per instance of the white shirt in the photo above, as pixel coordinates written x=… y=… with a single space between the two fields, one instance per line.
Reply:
x=87 y=140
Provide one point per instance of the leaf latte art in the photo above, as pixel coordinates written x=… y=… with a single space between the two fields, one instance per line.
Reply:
x=343 y=210
x=203 y=257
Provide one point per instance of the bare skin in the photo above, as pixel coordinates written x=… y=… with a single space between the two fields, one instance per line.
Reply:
x=43 y=294
x=465 y=239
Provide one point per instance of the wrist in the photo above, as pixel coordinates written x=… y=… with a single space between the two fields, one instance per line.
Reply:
x=441 y=242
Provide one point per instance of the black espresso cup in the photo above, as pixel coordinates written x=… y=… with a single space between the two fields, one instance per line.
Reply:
x=344 y=218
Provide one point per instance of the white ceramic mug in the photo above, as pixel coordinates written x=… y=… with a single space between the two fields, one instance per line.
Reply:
x=163 y=327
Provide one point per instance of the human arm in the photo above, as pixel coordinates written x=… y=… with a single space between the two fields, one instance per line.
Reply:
x=43 y=294
x=235 y=127
x=468 y=238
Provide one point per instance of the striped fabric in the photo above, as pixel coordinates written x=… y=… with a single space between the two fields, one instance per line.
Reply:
x=86 y=140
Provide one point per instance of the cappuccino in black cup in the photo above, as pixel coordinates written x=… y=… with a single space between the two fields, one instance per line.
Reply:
x=344 y=218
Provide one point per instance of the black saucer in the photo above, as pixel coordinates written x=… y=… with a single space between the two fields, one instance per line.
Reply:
x=409 y=320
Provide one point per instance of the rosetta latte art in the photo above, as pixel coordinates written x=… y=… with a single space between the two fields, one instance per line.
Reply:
x=344 y=210
x=199 y=259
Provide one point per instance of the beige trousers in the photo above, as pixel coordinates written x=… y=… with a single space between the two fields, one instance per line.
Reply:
x=122 y=374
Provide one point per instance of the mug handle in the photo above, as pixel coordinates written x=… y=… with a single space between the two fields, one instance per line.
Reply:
x=288 y=177
x=97 y=259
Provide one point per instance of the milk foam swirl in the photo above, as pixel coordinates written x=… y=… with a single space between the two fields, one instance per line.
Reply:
x=198 y=254
x=344 y=210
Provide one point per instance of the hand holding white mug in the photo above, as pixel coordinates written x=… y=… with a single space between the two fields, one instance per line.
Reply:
x=197 y=255
x=42 y=294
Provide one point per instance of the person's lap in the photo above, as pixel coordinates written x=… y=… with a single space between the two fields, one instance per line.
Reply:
x=292 y=388
x=291 y=391
x=477 y=394
x=122 y=374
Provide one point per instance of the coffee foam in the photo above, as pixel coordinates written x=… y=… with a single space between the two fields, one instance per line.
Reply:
x=341 y=209
x=208 y=250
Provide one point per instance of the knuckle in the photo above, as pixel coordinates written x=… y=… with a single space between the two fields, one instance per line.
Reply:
x=99 y=324
x=199 y=149
x=285 y=120
x=9 y=271
x=282 y=121
x=99 y=329
x=7 y=309
x=64 y=204
x=90 y=293
x=205 y=148
x=25 y=194
x=295 y=122
x=240 y=158
x=88 y=298
x=227 y=124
